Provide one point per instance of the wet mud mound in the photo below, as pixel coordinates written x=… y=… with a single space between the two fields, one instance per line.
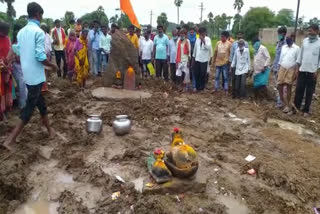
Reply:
x=69 y=204
x=123 y=54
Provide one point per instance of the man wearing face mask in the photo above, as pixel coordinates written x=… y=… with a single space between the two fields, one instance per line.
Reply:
x=286 y=74
x=172 y=55
x=201 y=55
x=309 y=66
x=282 y=32
x=261 y=65
x=240 y=67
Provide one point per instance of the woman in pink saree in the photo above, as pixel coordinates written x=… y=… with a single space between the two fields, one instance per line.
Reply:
x=70 y=53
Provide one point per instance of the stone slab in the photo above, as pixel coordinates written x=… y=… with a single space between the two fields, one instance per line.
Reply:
x=112 y=93
x=45 y=152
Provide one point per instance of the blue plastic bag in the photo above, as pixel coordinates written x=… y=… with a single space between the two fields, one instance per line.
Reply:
x=261 y=79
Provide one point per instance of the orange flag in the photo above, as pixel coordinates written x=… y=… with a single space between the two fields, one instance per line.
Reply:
x=126 y=7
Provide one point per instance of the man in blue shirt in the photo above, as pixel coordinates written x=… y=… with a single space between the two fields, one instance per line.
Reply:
x=94 y=38
x=31 y=49
x=161 y=43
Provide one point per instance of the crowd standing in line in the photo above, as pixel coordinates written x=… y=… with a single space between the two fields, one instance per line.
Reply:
x=188 y=55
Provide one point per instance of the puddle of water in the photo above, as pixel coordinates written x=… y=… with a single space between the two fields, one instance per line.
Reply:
x=138 y=184
x=64 y=178
x=39 y=207
x=234 y=206
x=295 y=127
x=233 y=117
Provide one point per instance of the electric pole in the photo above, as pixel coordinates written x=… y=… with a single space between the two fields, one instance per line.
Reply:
x=201 y=9
x=151 y=14
x=297 y=18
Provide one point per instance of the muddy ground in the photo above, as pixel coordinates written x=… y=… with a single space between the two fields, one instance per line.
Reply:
x=76 y=171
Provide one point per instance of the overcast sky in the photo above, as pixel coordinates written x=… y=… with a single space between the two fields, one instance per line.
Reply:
x=189 y=10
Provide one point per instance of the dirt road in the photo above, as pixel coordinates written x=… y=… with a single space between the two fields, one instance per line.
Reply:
x=76 y=171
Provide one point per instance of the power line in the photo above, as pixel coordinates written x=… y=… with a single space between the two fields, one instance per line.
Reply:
x=201 y=9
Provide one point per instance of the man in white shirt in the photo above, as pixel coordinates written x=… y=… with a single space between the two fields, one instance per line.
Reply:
x=287 y=69
x=201 y=54
x=309 y=66
x=261 y=66
x=146 y=52
x=141 y=39
x=172 y=55
x=59 y=38
x=105 y=46
x=240 y=67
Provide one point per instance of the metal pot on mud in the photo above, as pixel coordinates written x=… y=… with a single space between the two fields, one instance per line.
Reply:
x=94 y=124
x=122 y=125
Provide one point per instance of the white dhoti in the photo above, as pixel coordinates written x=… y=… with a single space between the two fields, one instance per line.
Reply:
x=183 y=67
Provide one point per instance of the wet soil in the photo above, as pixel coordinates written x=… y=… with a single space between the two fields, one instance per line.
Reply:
x=80 y=173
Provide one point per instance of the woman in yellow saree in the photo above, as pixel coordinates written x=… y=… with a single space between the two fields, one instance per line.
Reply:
x=81 y=59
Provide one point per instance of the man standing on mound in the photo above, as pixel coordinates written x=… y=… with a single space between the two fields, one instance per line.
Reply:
x=31 y=46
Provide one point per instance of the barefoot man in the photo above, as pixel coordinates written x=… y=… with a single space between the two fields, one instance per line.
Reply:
x=31 y=46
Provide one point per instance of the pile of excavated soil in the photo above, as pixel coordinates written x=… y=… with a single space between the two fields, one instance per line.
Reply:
x=123 y=54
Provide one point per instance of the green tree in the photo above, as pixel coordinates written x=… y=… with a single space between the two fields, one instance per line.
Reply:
x=178 y=4
x=163 y=20
x=124 y=21
x=11 y=12
x=3 y=17
x=238 y=4
x=315 y=20
x=285 y=17
x=211 y=24
x=21 y=21
x=221 y=23
x=68 y=16
x=98 y=15
x=114 y=19
x=256 y=18
x=237 y=20
x=49 y=22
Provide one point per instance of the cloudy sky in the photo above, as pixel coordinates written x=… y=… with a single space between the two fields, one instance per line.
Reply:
x=189 y=11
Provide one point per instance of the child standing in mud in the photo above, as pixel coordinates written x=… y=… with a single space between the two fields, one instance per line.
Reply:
x=70 y=54
x=31 y=46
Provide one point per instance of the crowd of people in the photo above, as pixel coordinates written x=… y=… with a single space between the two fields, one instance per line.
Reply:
x=187 y=56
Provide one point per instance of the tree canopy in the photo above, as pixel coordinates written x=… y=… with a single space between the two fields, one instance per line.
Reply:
x=256 y=18
x=238 y=5
x=98 y=15
x=11 y=12
x=163 y=20
x=178 y=3
x=285 y=17
x=315 y=20
x=68 y=16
